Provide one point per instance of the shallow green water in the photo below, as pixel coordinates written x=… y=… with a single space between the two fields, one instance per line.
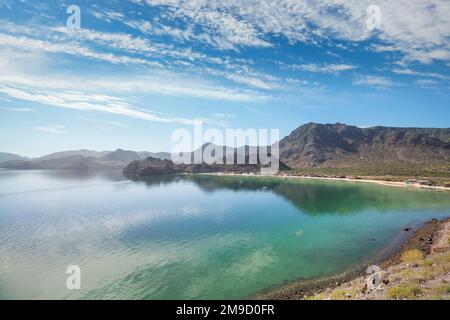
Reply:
x=191 y=237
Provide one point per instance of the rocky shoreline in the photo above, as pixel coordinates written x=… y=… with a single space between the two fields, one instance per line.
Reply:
x=423 y=239
x=429 y=242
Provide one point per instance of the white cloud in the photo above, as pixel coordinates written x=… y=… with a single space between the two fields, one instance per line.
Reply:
x=421 y=74
x=61 y=40
x=117 y=124
x=373 y=81
x=52 y=129
x=419 y=29
x=131 y=44
x=136 y=51
x=88 y=102
x=15 y=73
x=25 y=43
x=108 y=15
x=297 y=81
x=253 y=82
x=109 y=95
x=325 y=68
x=17 y=109
x=226 y=32
x=215 y=28
x=426 y=83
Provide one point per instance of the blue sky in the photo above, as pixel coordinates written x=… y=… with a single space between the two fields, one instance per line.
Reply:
x=139 y=69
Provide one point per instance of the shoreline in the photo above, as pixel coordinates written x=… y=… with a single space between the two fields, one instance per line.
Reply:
x=379 y=182
x=425 y=237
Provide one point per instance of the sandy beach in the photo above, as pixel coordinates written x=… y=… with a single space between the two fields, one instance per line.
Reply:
x=379 y=182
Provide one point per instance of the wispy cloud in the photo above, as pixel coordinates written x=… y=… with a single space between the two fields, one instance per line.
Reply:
x=373 y=81
x=251 y=81
x=52 y=129
x=325 y=68
x=17 y=109
x=87 y=102
x=415 y=28
x=161 y=82
x=218 y=29
x=427 y=83
x=136 y=51
x=26 y=43
x=117 y=124
x=421 y=74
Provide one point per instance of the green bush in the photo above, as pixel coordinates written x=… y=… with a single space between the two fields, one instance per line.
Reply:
x=412 y=256
x=405 y=291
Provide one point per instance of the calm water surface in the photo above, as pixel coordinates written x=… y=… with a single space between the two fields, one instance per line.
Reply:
x=190 y=237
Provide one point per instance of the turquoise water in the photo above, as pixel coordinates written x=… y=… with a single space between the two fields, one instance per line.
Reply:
x=190 y=237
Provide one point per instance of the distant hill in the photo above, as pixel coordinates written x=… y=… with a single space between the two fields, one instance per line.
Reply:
x=118 y=155
x=340 y=145
x=122 y=155
x=82 y=152
x=77 y=160
x=64 y=163
x=10 y=156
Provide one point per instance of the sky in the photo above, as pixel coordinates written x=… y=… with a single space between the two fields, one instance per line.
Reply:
x=136 y=70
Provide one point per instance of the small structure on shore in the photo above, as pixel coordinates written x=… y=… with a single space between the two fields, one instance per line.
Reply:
x=411 y=181
x=425 y=182
x=421 y=182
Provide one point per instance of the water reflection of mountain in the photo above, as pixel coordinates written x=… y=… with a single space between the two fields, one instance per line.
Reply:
x=80 y=175
x=318 y=197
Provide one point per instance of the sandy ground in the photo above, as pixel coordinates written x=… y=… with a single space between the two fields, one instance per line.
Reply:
x=442 y=243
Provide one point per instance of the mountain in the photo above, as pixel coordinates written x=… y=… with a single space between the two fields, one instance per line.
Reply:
x=311 y=146
x=340 y=145
x=121 y=155
x=82 y=152
x=9 y=157
x=442 y=134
